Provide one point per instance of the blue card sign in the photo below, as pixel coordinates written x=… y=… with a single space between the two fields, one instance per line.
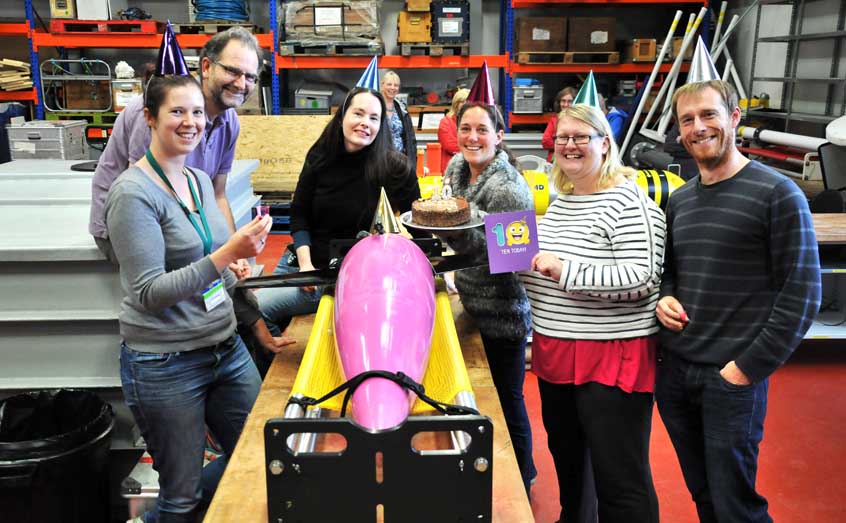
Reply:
x=512 y=240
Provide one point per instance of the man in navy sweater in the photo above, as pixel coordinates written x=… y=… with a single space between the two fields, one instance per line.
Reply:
x=741 y=286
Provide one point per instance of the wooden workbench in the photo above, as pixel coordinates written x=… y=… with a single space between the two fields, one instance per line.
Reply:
x=830 y=228
x=242 y=495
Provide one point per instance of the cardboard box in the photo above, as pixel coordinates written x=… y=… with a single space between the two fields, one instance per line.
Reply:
x=677 y=42
x=641 y=50
x=123 y=91
x=591 y=34
x=414 y=27
x=541 y=34
x=418 y=5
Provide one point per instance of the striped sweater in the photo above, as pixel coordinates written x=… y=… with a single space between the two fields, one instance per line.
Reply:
x=612 y=246
x=742 y=260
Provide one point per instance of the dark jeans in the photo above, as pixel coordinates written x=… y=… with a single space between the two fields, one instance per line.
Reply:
x=715 y=428
x=507 y=361
x=615 y=427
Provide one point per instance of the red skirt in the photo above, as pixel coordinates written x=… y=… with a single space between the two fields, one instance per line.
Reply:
x=627 y=364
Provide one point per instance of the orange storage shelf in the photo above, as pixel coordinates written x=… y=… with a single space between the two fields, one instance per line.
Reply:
x=390 y=62
x=596 y=68
x=21 y=29
x=127 y=40
x=526 y=119
x=18 y=96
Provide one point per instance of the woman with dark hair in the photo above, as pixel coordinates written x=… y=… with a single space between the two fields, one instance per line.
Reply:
x=337 y=194
x=484 y=173
x=563 y=100
x=183 y=367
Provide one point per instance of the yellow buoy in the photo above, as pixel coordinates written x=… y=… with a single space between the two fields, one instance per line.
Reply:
x=658 y=185
x=539 y=185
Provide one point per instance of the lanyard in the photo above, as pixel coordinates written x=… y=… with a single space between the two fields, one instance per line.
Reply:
x=207 y=237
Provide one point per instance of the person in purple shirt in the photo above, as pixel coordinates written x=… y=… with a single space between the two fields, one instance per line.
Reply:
x=229 y=65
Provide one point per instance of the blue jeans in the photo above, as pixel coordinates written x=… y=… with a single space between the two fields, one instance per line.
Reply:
x=715 y=428
x=507 y=361
x=173 y=397
x=279 y=304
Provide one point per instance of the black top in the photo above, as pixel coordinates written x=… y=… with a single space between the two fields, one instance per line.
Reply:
x=338 y=201
x=742 y=259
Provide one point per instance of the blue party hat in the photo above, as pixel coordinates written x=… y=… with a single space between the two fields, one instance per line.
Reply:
x=170 y=60
x=370 y=78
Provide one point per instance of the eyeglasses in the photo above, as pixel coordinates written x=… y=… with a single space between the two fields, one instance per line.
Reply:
x=236 y=73
x=579 y=139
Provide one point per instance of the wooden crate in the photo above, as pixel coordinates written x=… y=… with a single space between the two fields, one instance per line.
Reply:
x=336 y=20
x=541 y=34
x=591 y=34
x=640 y=50
x=677 y=42
x=414 y=27
x=84 y=95
x=416 y=6
x=279 y=167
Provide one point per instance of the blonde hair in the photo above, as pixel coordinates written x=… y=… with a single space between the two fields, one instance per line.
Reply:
x=611 y=167
x=388 y=73
x=458 y=98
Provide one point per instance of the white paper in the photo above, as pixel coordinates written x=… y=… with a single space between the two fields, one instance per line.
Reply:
x=453 y=10
x=327 y=16
x=432 y=120
x=540 y=34
x=599 y=37
x=451 y=26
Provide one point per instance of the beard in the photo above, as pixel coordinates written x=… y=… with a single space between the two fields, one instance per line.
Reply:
x=713 y=158
x=225 y=99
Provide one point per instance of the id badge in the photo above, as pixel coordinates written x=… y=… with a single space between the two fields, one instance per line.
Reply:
x=214 y=294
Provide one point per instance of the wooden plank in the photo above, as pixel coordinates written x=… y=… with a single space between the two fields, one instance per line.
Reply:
x=830 y=228
x=280 y=144
x=242 y=494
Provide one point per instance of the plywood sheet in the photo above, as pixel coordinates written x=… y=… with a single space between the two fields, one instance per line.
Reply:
x=280 y=144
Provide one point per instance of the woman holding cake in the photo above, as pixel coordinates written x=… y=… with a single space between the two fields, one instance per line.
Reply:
x=484 y=175
x=337 y=194
x=593 y=296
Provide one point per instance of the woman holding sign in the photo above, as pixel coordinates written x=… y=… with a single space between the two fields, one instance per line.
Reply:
x=593 y=296
x=182 y=365
x=483 y=174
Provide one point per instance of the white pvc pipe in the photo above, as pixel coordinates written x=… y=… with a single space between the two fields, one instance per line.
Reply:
x=648 y=87
x=674 y=71
x=808 y=143
x=720 y=18
x=664 y=121
x=735 y=21
x=727 y=70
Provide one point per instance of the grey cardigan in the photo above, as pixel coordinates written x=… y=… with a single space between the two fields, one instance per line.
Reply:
x=497 y=302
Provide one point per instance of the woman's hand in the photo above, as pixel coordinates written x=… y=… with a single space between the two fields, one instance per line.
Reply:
x=246 y=242
x=306 y=267
x=671 y=314
x=548 y=265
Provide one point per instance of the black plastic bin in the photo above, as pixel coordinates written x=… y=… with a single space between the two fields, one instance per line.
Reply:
x=54 y=456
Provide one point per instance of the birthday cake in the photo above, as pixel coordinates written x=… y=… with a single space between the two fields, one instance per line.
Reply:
x=447 y=212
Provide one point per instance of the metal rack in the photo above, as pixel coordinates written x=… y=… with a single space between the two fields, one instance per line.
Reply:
x=791 y=81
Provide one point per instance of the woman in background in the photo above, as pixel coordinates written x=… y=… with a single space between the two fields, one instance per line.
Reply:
x=399 y=122
x=337 y=194
x=563 y=100
x=447 y=129
x=182 y=365
x=593 y=296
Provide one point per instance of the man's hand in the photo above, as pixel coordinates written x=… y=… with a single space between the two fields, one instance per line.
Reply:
x=241 y=269
x=267 y=340
x=732 y=374
x=671 y=314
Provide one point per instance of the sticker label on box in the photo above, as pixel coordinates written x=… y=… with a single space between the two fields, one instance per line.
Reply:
x=453 y=10
x=450 y=26
x=327 y=16
x=539 y=33
x=599 y=37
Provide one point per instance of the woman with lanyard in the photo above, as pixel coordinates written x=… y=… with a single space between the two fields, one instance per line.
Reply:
x=183 y=367
x=399 y=121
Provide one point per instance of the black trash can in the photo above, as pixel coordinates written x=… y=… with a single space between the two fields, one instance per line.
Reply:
x=54 y=456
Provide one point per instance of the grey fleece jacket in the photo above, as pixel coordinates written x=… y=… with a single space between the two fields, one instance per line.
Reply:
x=497 y=302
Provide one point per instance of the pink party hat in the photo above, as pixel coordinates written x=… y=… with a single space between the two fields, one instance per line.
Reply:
x=482 y=91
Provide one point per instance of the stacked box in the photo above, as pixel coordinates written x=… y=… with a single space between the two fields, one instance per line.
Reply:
x=418 y=6
x=591 y=34
x=542 y=34
x=414 y=27
x=55 y=139
x=316 y=21
x=450 y=21
x=641 y=50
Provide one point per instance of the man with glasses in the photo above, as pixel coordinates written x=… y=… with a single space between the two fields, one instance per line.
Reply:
x=229 y=65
